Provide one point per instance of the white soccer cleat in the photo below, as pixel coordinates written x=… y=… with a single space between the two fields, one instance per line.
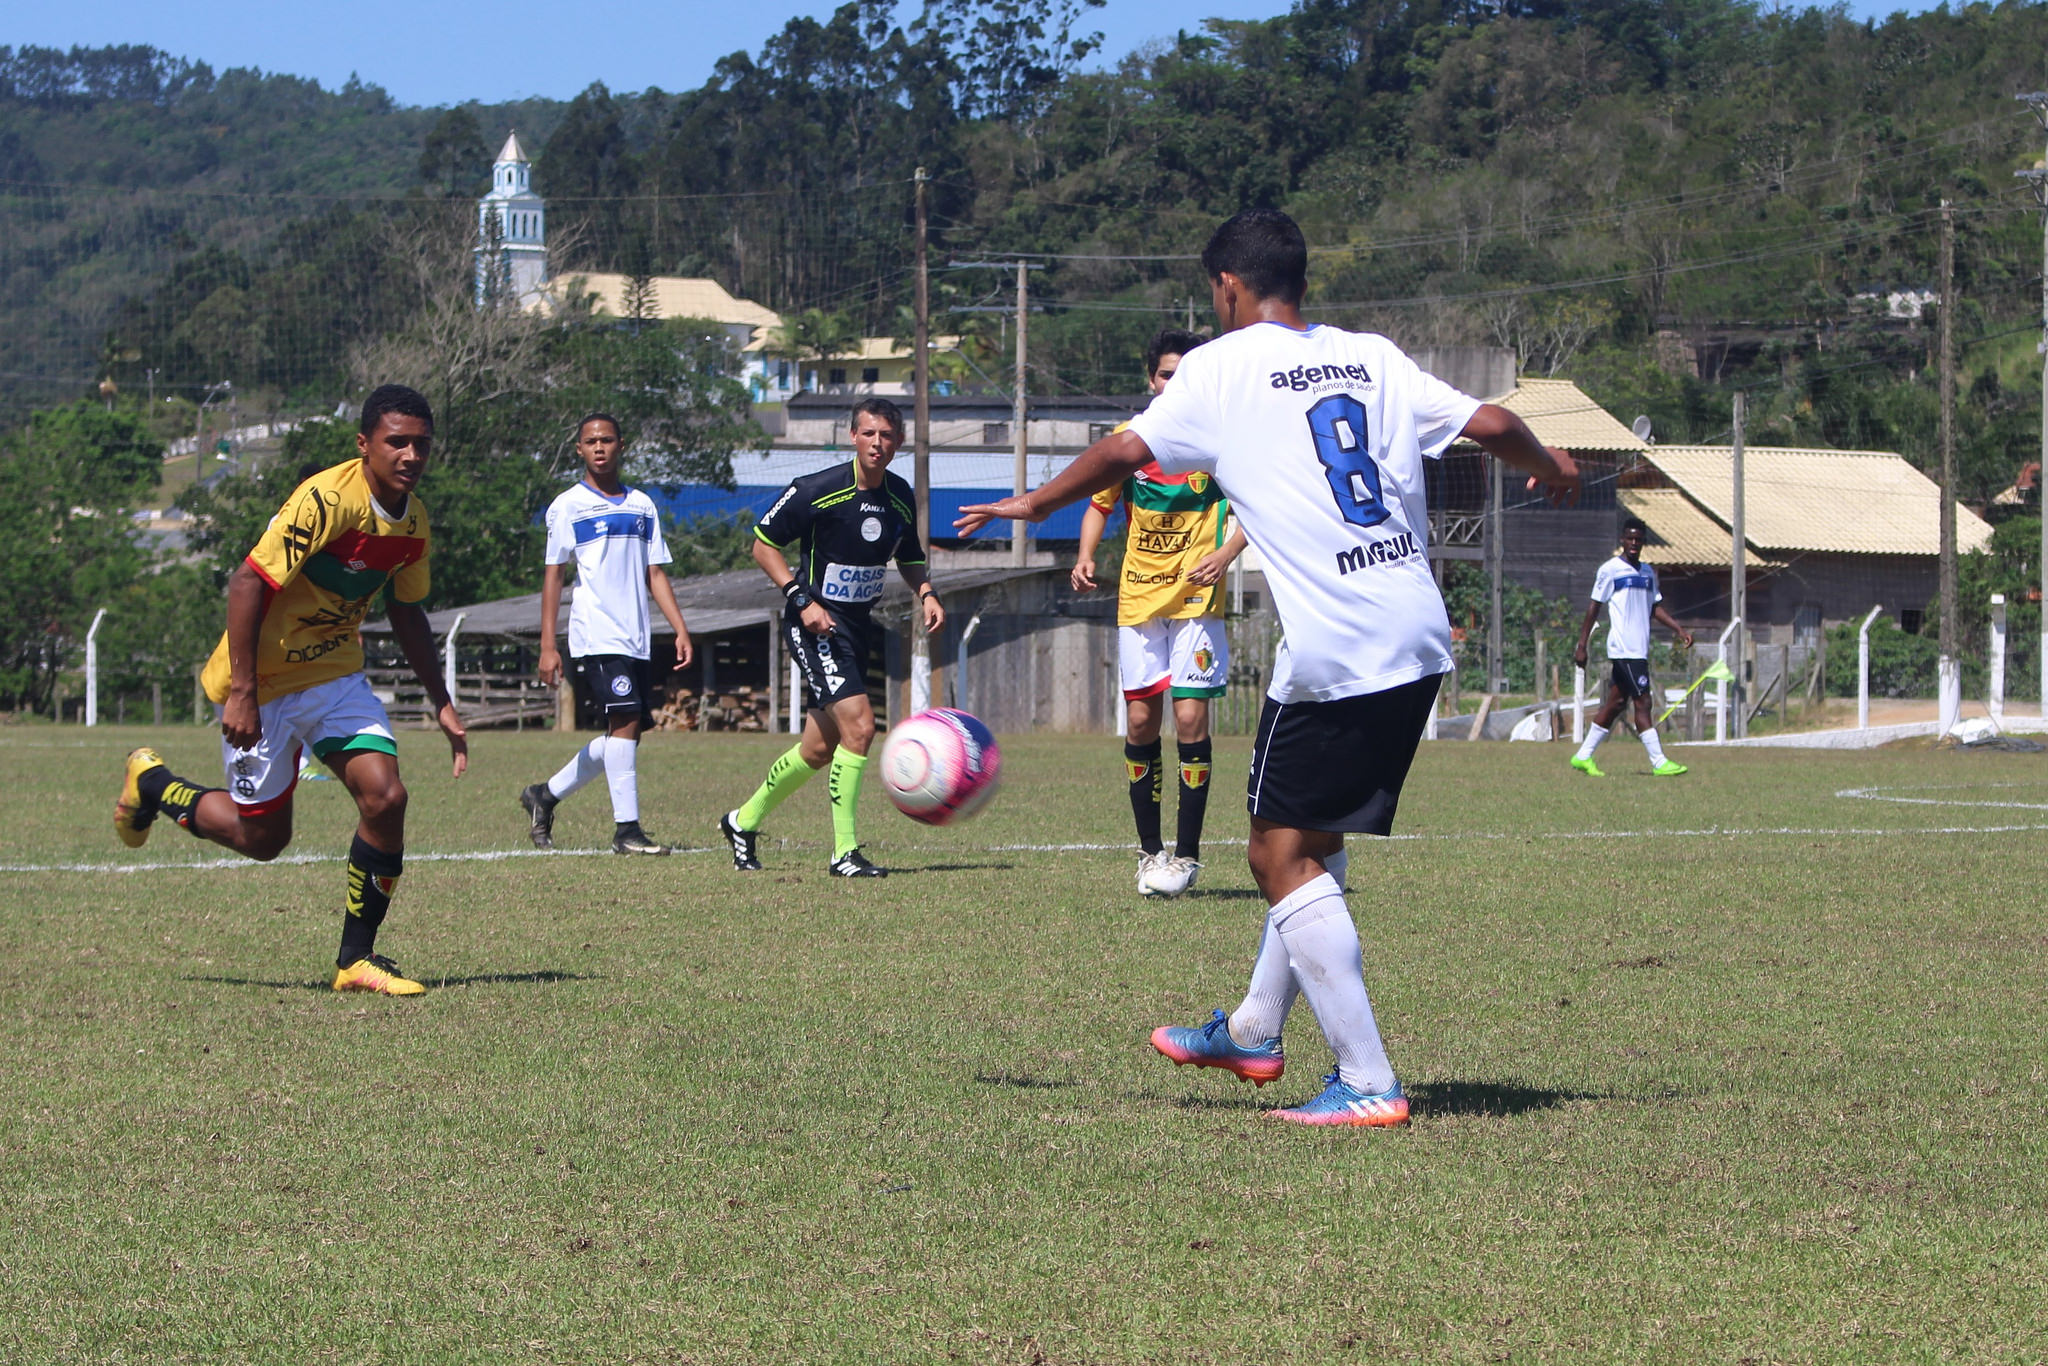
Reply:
x=1162 y=874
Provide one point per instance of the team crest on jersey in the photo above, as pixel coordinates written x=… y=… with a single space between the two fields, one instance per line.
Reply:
x=1205 y=659
x=871 y=529
x=1198 y=482
x=621 y=685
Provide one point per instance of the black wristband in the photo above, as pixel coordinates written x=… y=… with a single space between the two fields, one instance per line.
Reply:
x=797 y=595
x=929 y=592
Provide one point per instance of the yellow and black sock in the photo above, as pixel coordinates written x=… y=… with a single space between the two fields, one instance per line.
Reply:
x=170 y=795
x=1194 y=798
x=372 y=878
x=1141 y=766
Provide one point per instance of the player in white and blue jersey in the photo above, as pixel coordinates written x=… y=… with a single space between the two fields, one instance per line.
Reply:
x=612 y=535
x=1320 y=436
x=1629 y=589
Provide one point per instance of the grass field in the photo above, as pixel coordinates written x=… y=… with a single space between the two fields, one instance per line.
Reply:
x=1731 y=1068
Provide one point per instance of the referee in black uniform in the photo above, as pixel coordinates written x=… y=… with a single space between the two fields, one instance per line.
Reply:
x=843 y=525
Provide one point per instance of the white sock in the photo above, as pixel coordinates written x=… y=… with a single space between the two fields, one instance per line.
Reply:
x=623 y=778
x=1316 y=929
x=588 y=763
x=1263 y=1013
x=1594 y=735
x=1654 y=745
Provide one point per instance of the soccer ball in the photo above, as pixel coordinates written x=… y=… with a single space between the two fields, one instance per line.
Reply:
x=940 y=766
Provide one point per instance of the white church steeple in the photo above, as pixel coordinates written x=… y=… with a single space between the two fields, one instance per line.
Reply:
x=511 y=255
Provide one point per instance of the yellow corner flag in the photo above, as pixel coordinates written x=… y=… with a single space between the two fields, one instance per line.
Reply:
x=1717 y=672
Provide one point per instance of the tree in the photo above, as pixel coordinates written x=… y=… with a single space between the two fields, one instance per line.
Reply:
x=814 y=334
x=455 y=159
x=637 y=301
x=67 y=480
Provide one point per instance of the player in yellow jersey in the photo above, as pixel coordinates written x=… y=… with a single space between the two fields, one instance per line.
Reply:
x=1169 y=632
x=288 y=674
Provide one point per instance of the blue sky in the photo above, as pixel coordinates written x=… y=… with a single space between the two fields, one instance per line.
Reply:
x=442 y=52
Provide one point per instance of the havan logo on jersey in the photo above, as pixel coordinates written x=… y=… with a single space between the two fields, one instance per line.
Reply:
x=1376 y=552
x=1165 y=533
x=1304 y=377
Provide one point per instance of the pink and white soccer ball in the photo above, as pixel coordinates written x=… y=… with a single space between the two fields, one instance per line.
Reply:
x=940 y=766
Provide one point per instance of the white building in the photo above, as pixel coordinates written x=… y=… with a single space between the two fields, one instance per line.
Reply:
x=512 y=252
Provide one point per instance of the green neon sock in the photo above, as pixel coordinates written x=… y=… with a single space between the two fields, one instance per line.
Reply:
x=788 y=773
x=847 y=768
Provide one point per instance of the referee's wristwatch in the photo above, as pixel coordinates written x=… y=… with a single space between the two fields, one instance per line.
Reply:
x=798 y=596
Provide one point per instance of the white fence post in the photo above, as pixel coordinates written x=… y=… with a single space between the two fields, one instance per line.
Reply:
x=1721 y=685
x=1995 y=703
x=1578 y=703
x=960 y=690
x=1863 y=670
x=92 y=669
x=448 y=655
x=796 y=697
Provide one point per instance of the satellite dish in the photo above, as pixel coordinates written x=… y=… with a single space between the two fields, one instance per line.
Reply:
x=1641 y=427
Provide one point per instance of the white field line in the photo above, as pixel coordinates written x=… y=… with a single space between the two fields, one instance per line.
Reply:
x=1477 y=836
x=1884 y=794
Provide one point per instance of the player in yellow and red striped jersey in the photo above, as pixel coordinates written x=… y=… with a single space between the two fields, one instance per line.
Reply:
x=1170 y=638
x=288 y=675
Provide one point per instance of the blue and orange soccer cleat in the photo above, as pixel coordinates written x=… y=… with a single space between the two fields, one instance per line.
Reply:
x=1347 y=1105
x=1210 y=1045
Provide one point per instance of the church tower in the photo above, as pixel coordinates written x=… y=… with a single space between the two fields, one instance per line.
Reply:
x=512 y=253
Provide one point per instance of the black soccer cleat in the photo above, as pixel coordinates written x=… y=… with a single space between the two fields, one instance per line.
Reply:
x=540 y=809
x=853 y=863
x=744 y=859
x=631 y=839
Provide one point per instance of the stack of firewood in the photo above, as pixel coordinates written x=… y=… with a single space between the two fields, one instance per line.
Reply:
x=740 y=709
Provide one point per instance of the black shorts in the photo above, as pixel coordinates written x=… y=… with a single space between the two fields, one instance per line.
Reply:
x=1631 y=676
x=616 y=684
x=1338 y=765
x=834 y=666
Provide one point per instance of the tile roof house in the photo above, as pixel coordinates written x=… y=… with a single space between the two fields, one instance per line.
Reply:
x=1828 y=534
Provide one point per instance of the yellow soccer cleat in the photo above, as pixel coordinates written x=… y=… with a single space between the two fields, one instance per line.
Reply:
x=133 y=814
x=376 y=973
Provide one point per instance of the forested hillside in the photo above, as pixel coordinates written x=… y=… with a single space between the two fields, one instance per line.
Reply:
x=1568 y=177
x=1665 y=200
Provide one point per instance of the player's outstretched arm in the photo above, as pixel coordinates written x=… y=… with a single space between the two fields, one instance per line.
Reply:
x=241 y=719
x=1108 y=462
x=1508 y=439
x=664 y=594
x=550 y=613
x=416 y=639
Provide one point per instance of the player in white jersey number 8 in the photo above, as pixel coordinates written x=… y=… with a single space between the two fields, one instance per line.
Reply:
x=1318 y=436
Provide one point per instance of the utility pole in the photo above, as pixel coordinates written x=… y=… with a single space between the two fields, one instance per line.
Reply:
x=921 y=454
x=1496 y=665
x=1019 y=546
x=1738 y=571
x=1950 y=667
x=2038 y=179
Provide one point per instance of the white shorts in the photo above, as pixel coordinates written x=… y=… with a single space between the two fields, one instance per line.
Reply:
x=339 y=714
x=1189 y=656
